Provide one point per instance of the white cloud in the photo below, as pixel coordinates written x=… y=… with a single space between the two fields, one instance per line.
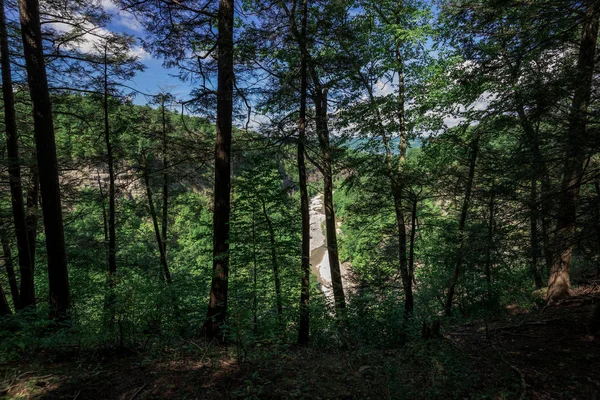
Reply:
x=120 y=17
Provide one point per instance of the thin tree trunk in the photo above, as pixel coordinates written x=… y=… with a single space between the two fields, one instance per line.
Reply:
x=490 y=239
x=255 y=274
x=27 y=297
x=413 y=232
x=104 y=217
x=33 y=200
x=112 y=236
x=159 y=242
x=330 y=225
x=10 y=272
x=559 y=283
x=304 y=325
x=274 y=263
x=533 y=217
x=217 y=307
x=396 y=190
x=165 y=188
x=461 y=226
x=4 y=307
x=46 y=156
x=597 y=223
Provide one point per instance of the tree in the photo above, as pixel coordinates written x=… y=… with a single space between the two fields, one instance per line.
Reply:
x=27 y=295
x=46 y=158
x=217 y=307
x=559 y=284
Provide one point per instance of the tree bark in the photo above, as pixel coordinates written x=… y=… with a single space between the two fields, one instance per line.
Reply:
x=461 y=226
x=27 y=296
x=413 y=233
x=330 y=225
x=304 y=325
x=10 y=272
x=217 y=307
x=46 y=157
x=559 y=283
x=254 y=276
x=274 y=263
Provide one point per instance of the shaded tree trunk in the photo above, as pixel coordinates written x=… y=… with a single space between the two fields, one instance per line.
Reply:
x=559 y=283
x=533 y=218
x=490 y=240
x=4 y=307
x=112 y=236
x=33 y=200
x=46 y=157
x=217 y=306
x=254 y=275
x=27 y=296
x=274 y=263
x=304 y=325
x=326 y=169
x=461 y=226
x=413 y=233
x=10 y=272
x=165 y=191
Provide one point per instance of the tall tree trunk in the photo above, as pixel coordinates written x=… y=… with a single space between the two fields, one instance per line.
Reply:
x=274 y=263
x=413 y=233
x=4 y=307
x=217 y=306
x=112 y=236
x=165 y=188
x=490 y=239
x=397 y=189
x=27 y=297
x=157 y=232
x=597 y=223
x=533 y=219
x=304 y=325
x=559 y=283
x=326 y=168
x=10 y=272
x=46 y=156
x=461 y=226
x=254 y=276
x=33 y=200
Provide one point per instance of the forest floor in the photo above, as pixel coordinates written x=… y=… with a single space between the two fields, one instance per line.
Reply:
x=549 y=353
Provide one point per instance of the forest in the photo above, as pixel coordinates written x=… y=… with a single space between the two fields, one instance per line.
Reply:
x=300 y=199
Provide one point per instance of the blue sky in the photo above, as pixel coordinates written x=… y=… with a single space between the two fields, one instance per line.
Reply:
x=155 y=76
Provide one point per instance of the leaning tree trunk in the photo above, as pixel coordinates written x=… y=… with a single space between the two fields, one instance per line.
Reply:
x=461 y=226
x=330 y=226
x=27 y=296
x=559 y=283
x=46 y=157
x=10 y=272
x=217 y=306
x=303 y=328
x=157 y=232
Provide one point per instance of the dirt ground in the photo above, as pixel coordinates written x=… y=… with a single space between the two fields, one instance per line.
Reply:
x=551 y=353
